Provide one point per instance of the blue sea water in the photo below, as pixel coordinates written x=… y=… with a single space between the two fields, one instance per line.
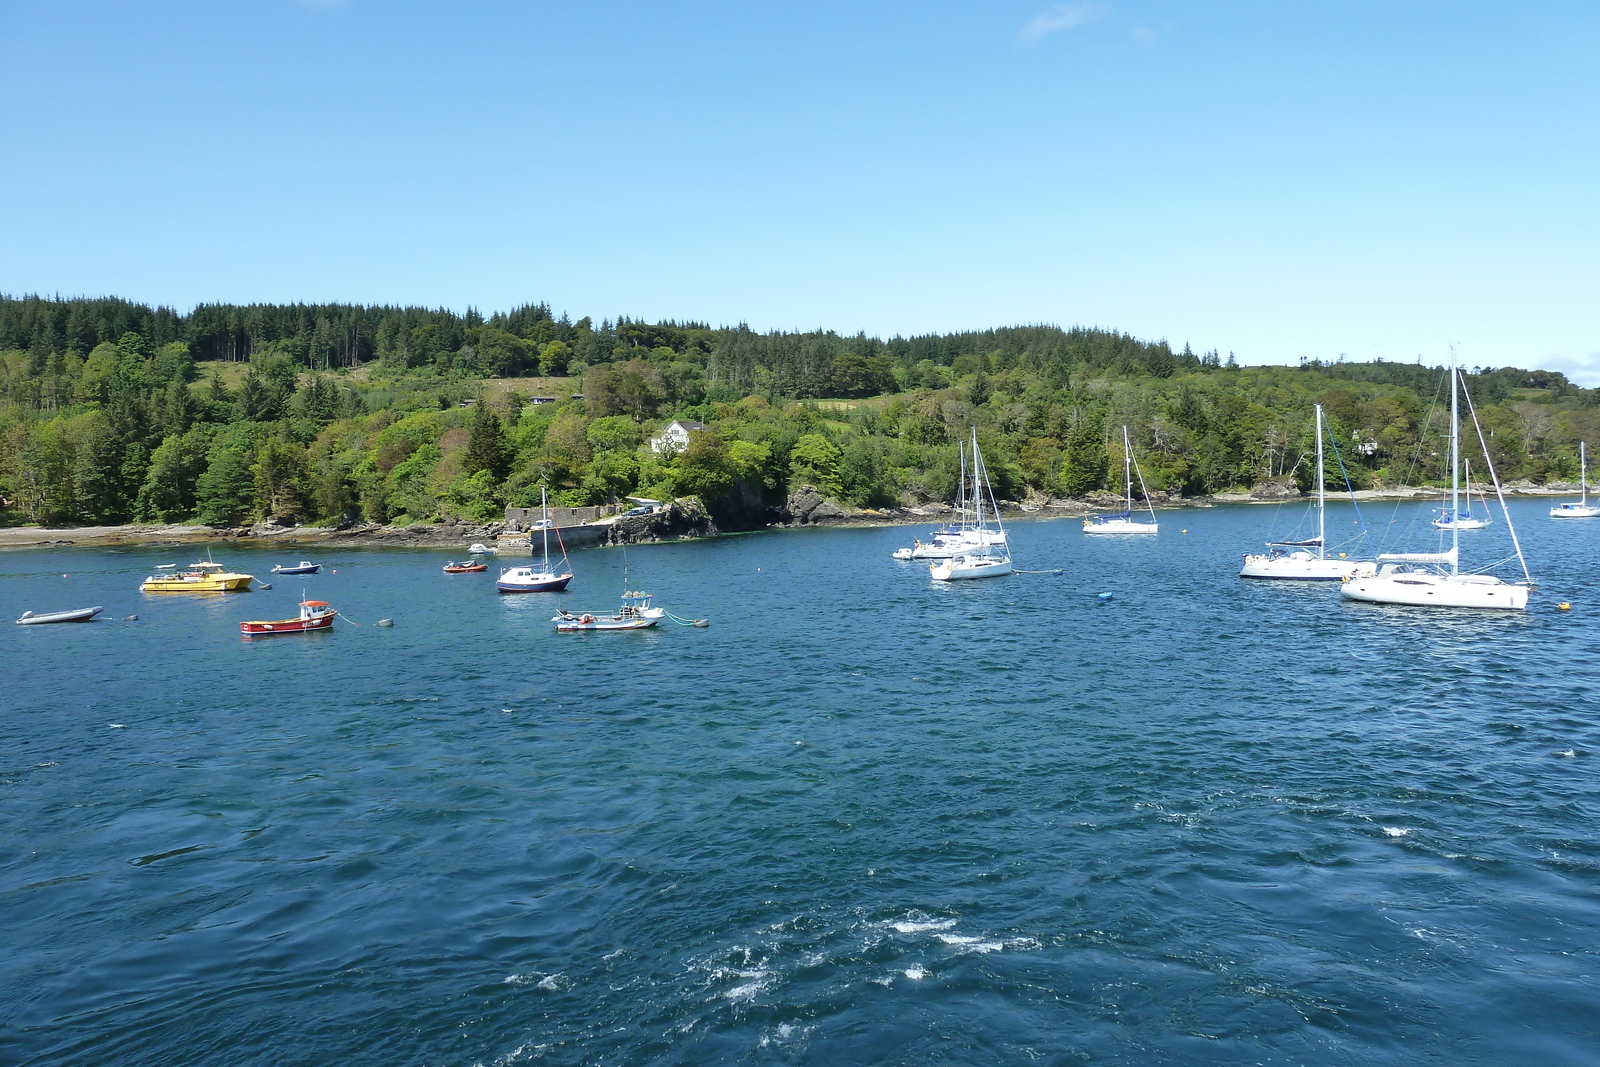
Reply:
x=861 y=818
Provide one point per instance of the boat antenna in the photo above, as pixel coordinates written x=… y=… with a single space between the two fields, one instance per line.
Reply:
x=1495 y=478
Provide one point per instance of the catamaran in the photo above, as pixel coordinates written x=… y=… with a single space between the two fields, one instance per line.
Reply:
x=1582 y=509
x=1123 y=522
x=1434 y=579
x=986 y=557
x=1305 y=560
x=546 y=579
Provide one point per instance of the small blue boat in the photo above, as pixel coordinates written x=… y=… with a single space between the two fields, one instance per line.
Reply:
x=305 y=567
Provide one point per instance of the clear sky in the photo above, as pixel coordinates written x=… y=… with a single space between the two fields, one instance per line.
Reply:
x=1279 y=179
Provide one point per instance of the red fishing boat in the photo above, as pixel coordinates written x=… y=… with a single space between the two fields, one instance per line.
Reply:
x=314 y=615
x=470 y=566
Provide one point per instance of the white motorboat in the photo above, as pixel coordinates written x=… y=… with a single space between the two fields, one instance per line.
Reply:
x=1450 y=519
x=1582 y=509
x=990 y=556
x=1124 y=522
x=634 y=614
x=544 y=579
x=1305 y=560
x=1434 y=579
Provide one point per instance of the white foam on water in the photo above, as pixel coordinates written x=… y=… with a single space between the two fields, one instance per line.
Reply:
x=915 y=973
x=613 y=955
x=521 y=1053
x=971 y=944
x=116 y=726
x=759 y=980
x=785 y=1033
x=881 y=981
x=540 y=981
x=1569 y=754
x=1395 y=831
x=922 y=927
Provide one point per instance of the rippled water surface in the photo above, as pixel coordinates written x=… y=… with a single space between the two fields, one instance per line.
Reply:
x=858 y=819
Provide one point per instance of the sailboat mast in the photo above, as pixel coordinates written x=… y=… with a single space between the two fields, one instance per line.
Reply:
x=961 y=483
x=1455 y=467
x=1127 y=468
x=1322 y=495
x=1583 y=475
x=977 y=494
x=544 y=514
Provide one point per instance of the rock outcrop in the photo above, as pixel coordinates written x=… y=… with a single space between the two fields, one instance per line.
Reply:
x=1276 y=489
x=683 y=518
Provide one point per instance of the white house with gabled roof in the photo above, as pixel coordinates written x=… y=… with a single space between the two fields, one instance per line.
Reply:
x=675 y=438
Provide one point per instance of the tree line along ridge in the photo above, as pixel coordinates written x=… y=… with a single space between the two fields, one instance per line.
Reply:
x=113 y=411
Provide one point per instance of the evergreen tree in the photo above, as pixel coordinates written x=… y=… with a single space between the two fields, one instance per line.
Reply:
x=486 y=446
x=223 y=493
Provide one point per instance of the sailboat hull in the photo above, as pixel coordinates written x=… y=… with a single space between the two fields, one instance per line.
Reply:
x=1424 y=590
x=960 y=567
x=1574 y=511
x=1302 y=567
x=1119 y=526
x=526 y=580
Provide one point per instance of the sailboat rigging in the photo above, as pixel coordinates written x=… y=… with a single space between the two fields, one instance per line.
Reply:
x=1124 y=522
x=1451 y=519
x=1582 y=509
x=986 y=555
x=1305 y=560
x=1434 y=579
x=544 y=580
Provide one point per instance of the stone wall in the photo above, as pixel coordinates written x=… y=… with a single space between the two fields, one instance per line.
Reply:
x=522 y=518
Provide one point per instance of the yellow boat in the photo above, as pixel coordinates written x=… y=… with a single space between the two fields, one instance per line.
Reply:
x=203 y=577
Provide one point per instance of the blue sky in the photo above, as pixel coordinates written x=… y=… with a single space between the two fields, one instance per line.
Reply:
x=1282 y=180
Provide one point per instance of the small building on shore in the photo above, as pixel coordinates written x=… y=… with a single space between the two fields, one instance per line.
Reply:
x=675 y=438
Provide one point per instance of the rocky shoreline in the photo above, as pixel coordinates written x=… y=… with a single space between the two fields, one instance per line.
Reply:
x=682 y=519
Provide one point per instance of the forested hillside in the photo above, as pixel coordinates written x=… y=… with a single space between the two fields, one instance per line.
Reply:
x=112 y=411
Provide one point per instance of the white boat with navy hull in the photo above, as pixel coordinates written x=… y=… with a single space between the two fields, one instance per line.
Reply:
x=989 y=557
x=1434 y=579
x=546 y=579
x=1124 y=523
x=1305 y=560
x=1582 y=509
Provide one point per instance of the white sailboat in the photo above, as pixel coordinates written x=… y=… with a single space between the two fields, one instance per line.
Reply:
x=986 y=558
x=965 y=536
x=1434 y=579
x=546 y=579
x=1450 y=519
x=1124 y=522
x=1306 y=560
x=1582 y=509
